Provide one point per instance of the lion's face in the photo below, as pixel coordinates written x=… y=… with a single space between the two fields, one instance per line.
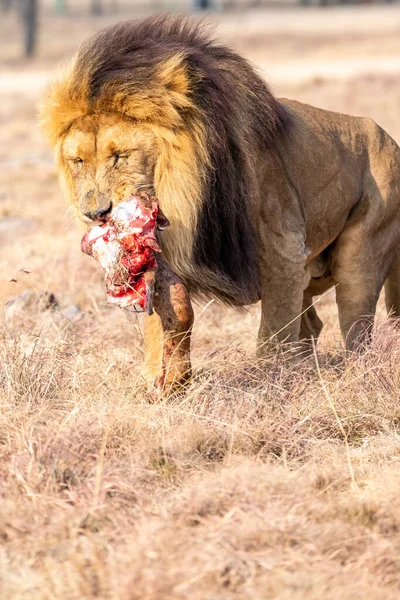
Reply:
x=107 y=159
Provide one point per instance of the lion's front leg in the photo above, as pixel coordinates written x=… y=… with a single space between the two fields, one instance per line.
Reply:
x=167 y=334
x=281 y=308
x=283 y=281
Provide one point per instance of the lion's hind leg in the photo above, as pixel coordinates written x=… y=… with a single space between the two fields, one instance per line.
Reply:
x=392 y=289
x=360 y=264
x=310 y=325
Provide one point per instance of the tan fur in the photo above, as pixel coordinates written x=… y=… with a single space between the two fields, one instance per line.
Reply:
x=329 y=214
x=325 y=198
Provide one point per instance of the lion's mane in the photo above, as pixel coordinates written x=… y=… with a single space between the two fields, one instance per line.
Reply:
x=212 y=114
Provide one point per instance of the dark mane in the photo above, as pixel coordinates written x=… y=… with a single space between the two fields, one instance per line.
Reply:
x=239 y=114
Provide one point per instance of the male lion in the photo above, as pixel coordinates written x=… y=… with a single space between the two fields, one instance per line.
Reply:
x=267 y=199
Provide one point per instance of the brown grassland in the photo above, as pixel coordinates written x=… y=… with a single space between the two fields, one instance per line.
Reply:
x=264 y=480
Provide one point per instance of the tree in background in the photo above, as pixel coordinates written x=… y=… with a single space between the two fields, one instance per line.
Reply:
x=5 y=4
x=201 y=4
x=29 y=12
x=96 y=7
x=61 y=6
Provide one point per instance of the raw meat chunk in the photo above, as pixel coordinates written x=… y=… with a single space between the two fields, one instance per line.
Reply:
x=126 y=248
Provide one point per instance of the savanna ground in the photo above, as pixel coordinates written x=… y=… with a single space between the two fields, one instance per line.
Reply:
x=263 y=480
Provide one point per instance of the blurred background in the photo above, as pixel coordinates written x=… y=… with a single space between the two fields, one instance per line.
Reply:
x=340 y=56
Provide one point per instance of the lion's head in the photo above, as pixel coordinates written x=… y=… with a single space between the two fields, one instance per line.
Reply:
x=156 y=103
x=107 y=159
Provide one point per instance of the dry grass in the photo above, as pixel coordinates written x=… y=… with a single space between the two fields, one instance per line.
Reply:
x=264 y=480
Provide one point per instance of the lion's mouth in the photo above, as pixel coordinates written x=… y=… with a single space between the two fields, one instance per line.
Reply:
x=126 y=246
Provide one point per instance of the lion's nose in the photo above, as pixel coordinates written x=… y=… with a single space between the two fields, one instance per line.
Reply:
x=100 y=214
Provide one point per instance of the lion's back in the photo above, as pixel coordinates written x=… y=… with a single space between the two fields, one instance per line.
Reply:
x=334 y=161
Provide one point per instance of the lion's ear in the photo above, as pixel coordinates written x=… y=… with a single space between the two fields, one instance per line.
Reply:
x=172 y=74
x=162 y=103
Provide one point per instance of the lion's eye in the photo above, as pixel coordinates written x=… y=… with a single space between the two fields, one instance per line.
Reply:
x=77 y=161
x=118 y=157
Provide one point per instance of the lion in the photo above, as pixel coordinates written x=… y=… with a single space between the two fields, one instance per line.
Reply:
x=268 y=199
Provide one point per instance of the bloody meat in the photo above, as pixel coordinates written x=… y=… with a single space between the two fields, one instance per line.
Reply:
x=126 y=248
